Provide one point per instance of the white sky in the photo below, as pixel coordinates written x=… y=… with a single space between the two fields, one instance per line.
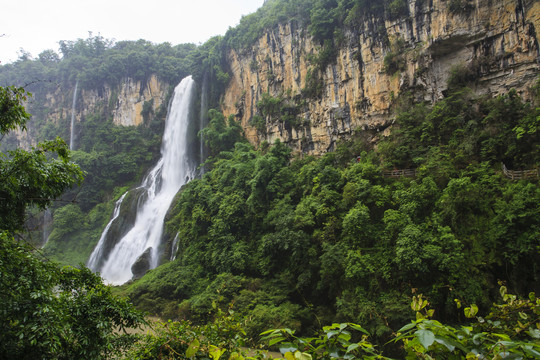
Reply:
x=37 y=25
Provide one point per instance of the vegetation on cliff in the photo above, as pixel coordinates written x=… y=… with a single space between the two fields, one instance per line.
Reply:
x=299 y=242
x=96 y=62
x=324 y=19
x=293 y=243
x=111 y=157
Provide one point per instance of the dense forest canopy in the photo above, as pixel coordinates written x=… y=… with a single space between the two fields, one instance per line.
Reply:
x=275 y=240
x=334 y=236
x=97 y=61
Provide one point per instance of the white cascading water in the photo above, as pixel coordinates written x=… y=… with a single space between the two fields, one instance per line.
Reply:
x=72 y=134
x=47 y=222
x=96 y=255
x=202 y=120
x=174 y=247
x=162 y=183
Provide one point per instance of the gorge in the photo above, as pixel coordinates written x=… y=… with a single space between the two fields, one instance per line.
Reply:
x=284 y=211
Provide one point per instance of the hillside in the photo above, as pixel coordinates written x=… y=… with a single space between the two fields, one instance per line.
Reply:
x=355 y=153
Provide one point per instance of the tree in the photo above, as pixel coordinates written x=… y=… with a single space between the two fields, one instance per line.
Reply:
x=47 y=311
x=221 y=134
x=53 y=312
x=12 y=112
x=32 y=177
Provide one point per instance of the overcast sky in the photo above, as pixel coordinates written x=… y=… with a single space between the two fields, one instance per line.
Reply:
x=37 y=25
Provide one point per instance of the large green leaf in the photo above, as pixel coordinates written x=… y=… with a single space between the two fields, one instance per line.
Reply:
x=192 y=348
x=215 y=352
x=407 y=327
x=426 y=337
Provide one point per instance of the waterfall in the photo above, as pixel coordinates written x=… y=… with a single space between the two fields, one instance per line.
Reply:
x=96 y=256
x=202 y=119
x=173 y=170
x=47 y=220
x=72 y=135
x=174 y=247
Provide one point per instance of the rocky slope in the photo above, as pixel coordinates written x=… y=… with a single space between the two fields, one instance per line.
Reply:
x=493 y=41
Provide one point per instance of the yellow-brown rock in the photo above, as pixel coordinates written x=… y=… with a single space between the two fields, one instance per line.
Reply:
x=496 y=40
x=124 y=103
x=128 y=110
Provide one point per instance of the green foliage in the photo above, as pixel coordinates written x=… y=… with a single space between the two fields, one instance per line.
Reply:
x=32 y=177
x=510 y=330
x=221 y=135
x=397 y=9
x=465 y=133
x=209 y=66
x=46 y=311
x=97 y=61
x=326 y=55
x=460 y=76
x=323 y=19
x=314 y=84
x=283 y=108
x=334 y=342
x=74 y=246
x=53 y=312
x=394 y=60
x=259 y=123
x=162 y=289
x=147 y=110
x=12 y=112
x=220 y=338
x=354 y=12
x=67 y=219
x=271 y=14
x=460 y=6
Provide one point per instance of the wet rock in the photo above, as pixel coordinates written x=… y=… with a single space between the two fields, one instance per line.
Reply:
x=142 y=264
x=122 y=224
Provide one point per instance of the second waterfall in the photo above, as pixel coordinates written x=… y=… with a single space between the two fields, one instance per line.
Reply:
x=173 y=170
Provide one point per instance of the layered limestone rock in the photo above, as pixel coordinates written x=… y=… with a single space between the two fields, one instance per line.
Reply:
x=494 y=41
x=131 y=99
x=124 y=104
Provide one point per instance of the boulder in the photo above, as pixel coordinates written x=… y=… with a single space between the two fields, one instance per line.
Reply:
x=142 y=264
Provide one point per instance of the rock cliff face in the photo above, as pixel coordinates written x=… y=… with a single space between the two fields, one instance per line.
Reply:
x=493 y=41
x=123 y=104
x=131 y=99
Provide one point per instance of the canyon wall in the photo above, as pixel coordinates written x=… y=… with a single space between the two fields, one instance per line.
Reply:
x=493 y=41
x=123 y=104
